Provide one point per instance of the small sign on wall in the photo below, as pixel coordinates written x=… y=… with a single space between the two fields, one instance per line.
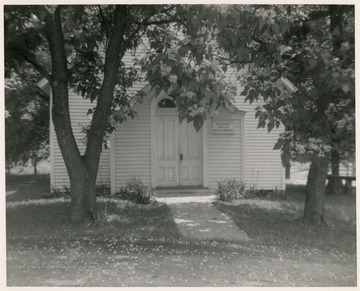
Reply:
x=223 y=127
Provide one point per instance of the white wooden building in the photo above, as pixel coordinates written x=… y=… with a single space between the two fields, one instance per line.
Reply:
x=163 y=153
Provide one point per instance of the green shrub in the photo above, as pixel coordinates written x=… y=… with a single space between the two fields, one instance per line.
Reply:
x=103 y=189
x=254 y=193
x=57 y=193
x=230 y=189
x=258 y=194
x=137 y=191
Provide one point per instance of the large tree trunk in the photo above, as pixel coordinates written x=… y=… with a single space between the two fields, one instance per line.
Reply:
x=336 y=24
x=81 y=175
x=83 y=197
x=315 y=191
x=83 y=170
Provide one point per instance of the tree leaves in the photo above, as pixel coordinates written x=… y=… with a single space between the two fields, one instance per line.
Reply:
x=279 y=144
x=300 y=45
x=188 y=71
x=27 y=123
x=270 y=125
x=276 y=28
x=345 y=88
x=262 y=23
x=189 y=60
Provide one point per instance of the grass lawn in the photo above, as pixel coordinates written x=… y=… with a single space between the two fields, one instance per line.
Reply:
x=137 y=245
x=278 y=222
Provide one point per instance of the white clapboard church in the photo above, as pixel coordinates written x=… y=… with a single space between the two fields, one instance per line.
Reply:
x=163 y=153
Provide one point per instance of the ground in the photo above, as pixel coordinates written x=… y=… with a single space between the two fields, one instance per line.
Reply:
x=254 y=242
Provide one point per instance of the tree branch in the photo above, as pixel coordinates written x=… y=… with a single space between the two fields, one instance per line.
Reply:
x=105 y=24
x=42 y=94
x=233 y=62
x=157 y=22
x=166 y=11
x=258 y=39
x=31 y=60
x=60 y=90
x=132 y=36
x=114 y=54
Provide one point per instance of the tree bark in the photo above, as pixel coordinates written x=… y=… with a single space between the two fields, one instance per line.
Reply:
x=315 y=191
x=34 y=165
x=114 y=53
x=8 y=168
x=82 y=170
x=83 y=197
x=83 y=206
x=336 y=24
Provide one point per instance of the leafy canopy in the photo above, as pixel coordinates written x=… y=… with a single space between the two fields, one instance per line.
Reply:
x=174 y=63
x=191 y=47
x=27 y=120
x=313 y=47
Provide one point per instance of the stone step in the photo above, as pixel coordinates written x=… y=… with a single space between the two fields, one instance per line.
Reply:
x=182 y=191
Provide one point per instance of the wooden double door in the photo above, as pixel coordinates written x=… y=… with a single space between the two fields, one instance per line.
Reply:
x=179 y=153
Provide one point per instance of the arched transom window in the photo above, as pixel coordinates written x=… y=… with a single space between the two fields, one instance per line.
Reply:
x=166 y=102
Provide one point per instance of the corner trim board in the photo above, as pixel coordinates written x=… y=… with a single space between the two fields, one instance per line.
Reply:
x=243 y=145
x=112 y=163
x=52 y=144
x=205 y=153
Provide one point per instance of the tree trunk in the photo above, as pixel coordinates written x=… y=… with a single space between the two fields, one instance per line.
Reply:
x=315 y=191
x=287 y=172
x=8 y=167
x=34 y=162
x=83 y=197
x=335 y=185
x=82 y=179
x=82 y=170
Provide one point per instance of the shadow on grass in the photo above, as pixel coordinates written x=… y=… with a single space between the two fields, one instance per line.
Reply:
x=49 y=218
x=295 y=192
x=26 y=187
x=279 y=223
x=29 y=215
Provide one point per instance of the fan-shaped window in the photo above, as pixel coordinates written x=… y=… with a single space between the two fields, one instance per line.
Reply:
x=166 y=103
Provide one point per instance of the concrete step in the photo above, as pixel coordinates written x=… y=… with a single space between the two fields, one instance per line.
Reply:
x=183 y=192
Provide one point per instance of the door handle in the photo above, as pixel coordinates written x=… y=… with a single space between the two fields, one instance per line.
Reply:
x=181 y=157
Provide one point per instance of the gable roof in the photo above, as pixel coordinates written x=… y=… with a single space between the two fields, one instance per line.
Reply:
x=44 y=84
x=288 y=84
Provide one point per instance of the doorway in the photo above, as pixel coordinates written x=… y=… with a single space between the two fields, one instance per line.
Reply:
x=179 y=149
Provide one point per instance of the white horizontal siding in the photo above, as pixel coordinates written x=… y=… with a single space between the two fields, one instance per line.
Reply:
x=223 y=151
x=263 y=166
x=132 y=138
x=347 y=169
x=79 y=118
x=133 y=147
x=129 y=62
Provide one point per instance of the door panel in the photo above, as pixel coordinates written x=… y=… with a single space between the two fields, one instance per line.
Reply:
x=191 y=149
x=167 y=151
x=179 y=153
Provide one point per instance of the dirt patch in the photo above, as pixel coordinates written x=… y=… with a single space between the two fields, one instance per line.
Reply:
x=181 y=264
